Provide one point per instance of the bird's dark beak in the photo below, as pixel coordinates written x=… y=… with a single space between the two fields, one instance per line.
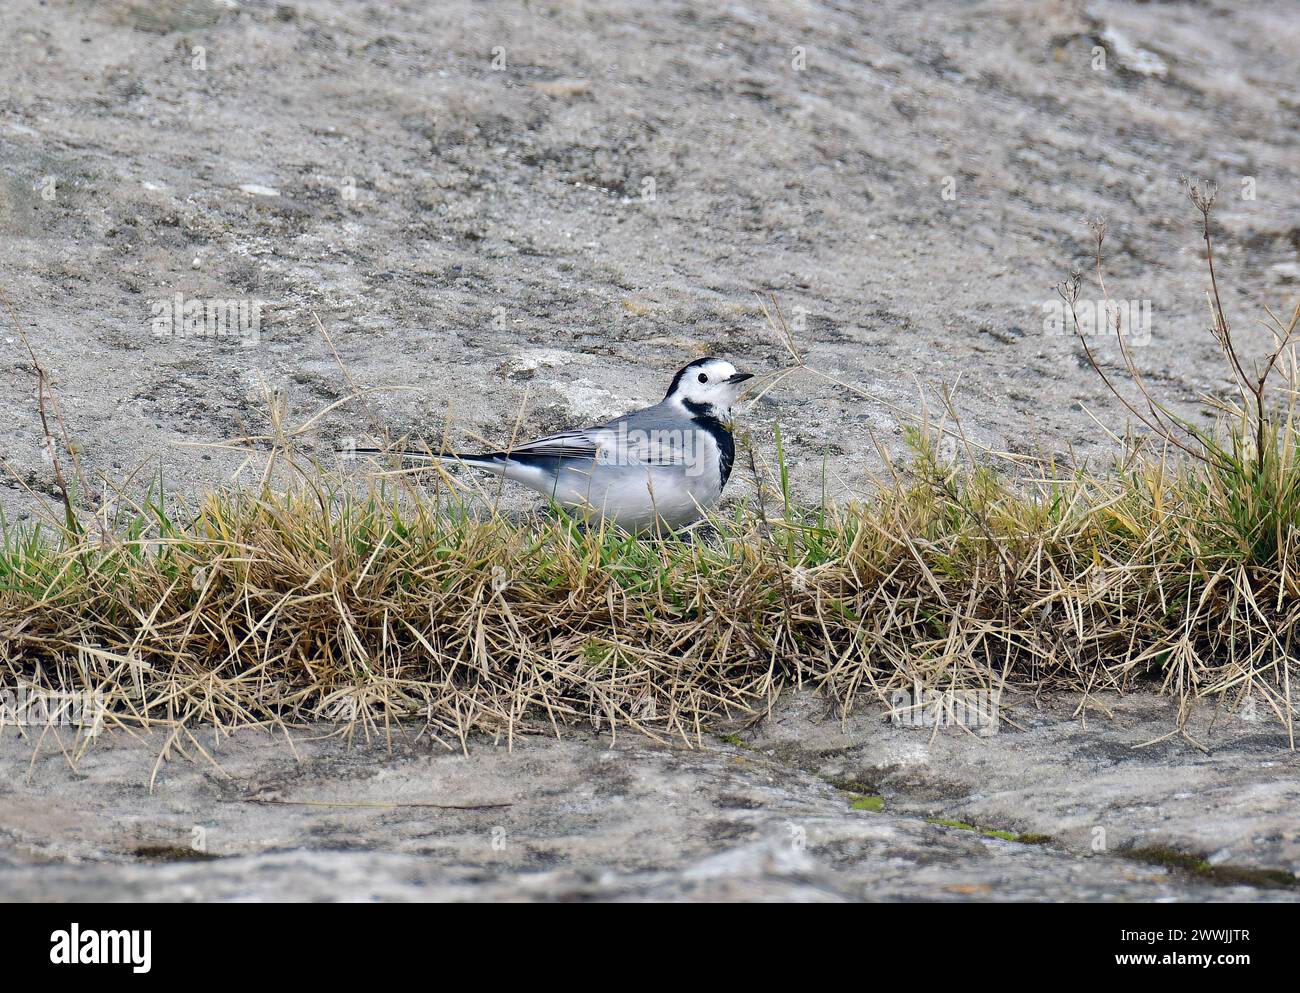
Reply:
x=739 y=377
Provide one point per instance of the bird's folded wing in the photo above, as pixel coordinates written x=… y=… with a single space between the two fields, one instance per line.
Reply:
x=612 y=445
x=567 y=444
x=624 y=444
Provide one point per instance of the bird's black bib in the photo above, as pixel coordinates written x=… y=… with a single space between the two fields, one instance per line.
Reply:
x=702 y=415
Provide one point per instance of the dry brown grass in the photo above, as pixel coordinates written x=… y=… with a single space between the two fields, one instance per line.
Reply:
x=308 y=603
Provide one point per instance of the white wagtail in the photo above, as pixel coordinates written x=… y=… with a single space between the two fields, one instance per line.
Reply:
x=667 y=463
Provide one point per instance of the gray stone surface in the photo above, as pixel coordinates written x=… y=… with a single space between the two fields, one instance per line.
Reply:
x=316 y=819
x=1106 y=772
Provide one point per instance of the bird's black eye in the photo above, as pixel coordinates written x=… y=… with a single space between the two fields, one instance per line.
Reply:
x=703 y=378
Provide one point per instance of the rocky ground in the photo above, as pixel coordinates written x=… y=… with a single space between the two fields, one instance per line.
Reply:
x=551 y=206
x=1054 y=806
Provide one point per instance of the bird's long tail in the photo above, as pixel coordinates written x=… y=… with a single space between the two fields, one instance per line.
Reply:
x=486 y=460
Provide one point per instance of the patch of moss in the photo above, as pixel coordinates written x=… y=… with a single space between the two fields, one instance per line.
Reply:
x=1024 y=839
x=1030 y=838
x=732 y=739
x=944 y=822
x=1169 y=857
x=855 y=786
x=873 y=803
x=1220 y=875
x=1244 y=875
x=171 y=853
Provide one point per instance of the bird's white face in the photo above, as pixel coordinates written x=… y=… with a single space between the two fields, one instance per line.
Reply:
x=708 y=384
